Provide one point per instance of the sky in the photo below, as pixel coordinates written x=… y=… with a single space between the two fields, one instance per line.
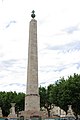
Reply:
x=58 y=32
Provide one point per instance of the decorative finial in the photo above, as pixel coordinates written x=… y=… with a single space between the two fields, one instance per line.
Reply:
x=33 y=14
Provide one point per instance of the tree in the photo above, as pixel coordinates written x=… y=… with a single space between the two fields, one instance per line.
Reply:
x=63 y=93
x=45 y=98
x=74 y=87
x=10 y=97
x=68 y=93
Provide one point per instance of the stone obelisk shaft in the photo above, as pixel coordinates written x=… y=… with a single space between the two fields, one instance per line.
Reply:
x=32 y=78
x=32 y=99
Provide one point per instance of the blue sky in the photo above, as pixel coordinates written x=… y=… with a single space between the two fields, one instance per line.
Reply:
x=58 y=23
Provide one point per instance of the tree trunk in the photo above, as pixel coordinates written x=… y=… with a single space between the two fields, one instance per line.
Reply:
x=48 y=110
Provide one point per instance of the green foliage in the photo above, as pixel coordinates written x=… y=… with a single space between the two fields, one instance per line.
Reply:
x=63 y=93
x=43 y=97
x=11 y=97
x=46 y=98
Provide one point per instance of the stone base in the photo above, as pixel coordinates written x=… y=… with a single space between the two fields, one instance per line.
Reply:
x=29 y=114
x=12 y=115
x=32 y=102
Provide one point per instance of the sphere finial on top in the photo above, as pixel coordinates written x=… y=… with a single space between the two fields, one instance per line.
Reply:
x=33 y=14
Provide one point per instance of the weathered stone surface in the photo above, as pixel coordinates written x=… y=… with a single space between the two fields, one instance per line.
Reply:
x=32 y=99
x=70 y=112
x=32 y=102
x=28 y=114
x=0 y=112
x=12 y=111
x=32 y=71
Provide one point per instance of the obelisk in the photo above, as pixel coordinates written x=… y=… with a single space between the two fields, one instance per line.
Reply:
x=32 y=99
